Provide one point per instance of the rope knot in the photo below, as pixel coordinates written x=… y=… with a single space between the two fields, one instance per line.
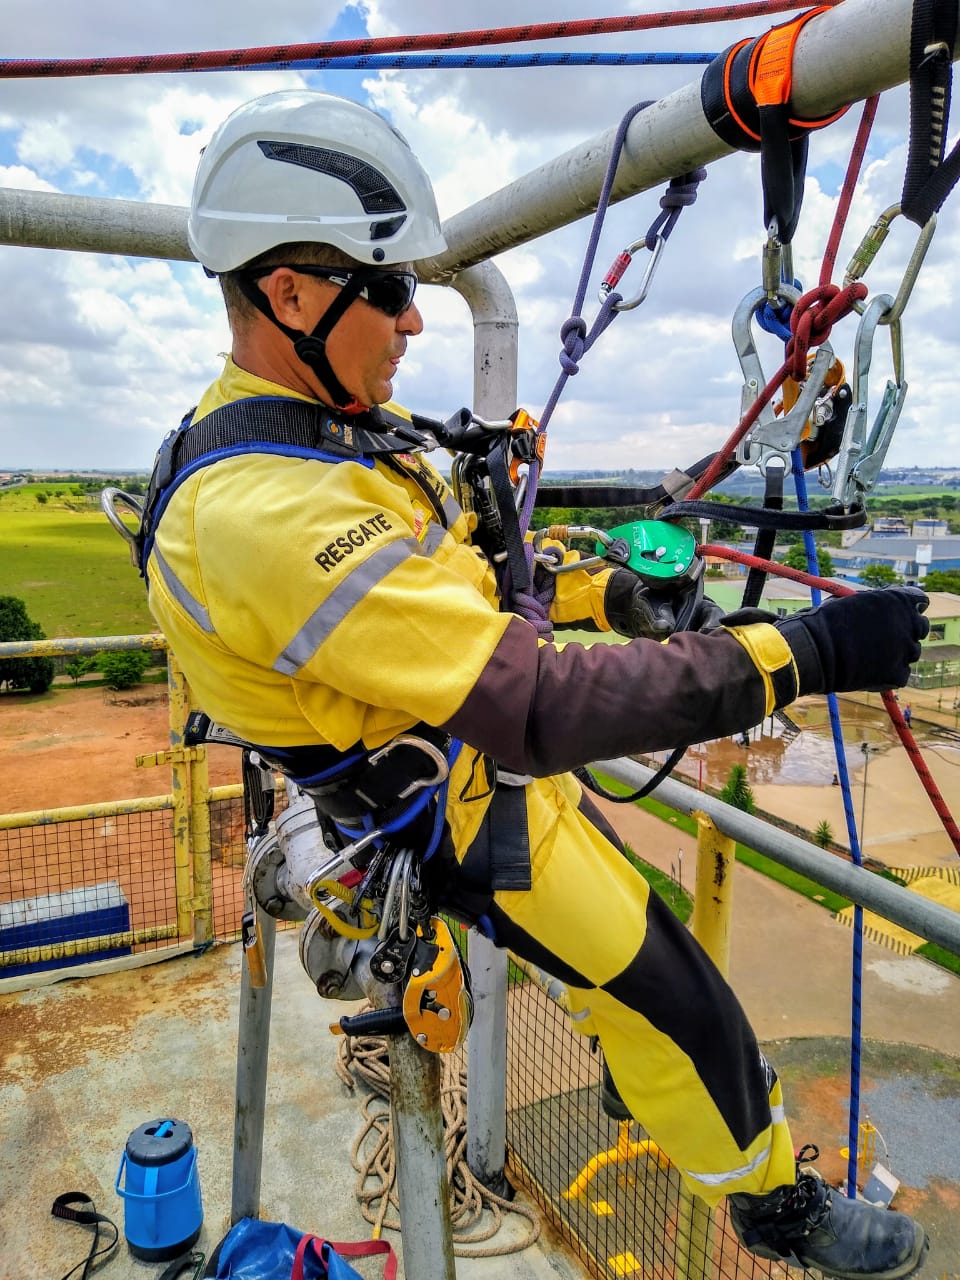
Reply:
x=812 y=319
x=573 y=333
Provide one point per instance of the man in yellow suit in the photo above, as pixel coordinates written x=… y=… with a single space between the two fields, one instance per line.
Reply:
x=324 y=593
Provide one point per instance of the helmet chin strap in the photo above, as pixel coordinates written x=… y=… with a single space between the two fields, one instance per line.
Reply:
x=311 y=348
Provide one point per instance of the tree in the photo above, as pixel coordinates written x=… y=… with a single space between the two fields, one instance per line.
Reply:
x=879 y=575
x=41 y=497
x=823 y=836
x=796 y=558
x=35 y=674
x=736 y=790
x=122 y=670
x=943 y=580
x=78 y=667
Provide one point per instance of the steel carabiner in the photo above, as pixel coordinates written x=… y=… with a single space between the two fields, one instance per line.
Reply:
x=868 y=249
x=109 y=498
x=772 y=436
x=861 y=454
x=620 y=264
x=434 y=754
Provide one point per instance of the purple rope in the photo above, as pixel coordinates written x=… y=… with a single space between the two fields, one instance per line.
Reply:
x=577 y=338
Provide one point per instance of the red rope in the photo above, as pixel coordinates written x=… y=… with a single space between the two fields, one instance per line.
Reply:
x=143 y=64
x=903 y=730
x=849 y=183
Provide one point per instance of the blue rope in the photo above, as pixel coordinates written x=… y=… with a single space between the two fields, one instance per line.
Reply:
x=856 y=981
x=471 y=61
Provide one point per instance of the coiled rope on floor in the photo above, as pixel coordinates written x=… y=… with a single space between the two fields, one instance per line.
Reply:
x=476 y=1213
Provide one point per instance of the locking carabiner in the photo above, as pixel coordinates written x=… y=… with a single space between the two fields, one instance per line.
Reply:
x=619 y=266
x=861 y=454
x=868 y=249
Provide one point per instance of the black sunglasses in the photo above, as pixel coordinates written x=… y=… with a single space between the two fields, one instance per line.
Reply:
x=389 y=291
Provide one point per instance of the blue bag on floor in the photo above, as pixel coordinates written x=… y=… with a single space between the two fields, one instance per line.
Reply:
x=256 y=1250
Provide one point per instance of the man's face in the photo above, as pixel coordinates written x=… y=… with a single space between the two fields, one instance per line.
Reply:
x=366 y=345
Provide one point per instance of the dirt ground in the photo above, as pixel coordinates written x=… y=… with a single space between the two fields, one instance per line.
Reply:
x=80 y=745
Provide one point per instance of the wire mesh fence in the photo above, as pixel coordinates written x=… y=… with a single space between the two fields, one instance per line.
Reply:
x=607 y=1188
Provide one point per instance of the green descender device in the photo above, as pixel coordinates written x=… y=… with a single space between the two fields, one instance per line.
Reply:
x=657 y=551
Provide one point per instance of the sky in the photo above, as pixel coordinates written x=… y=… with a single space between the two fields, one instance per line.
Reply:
x=101 y=355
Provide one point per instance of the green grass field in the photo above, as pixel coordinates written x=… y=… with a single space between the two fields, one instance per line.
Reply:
x=67 y=564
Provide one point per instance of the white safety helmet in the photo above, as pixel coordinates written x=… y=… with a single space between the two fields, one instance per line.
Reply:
x=306 y=166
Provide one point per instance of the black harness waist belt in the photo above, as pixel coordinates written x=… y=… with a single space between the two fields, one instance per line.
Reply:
x=348 y=786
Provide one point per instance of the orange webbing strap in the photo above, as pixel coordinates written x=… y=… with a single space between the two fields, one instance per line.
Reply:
x=753 y=73
x=770 y=76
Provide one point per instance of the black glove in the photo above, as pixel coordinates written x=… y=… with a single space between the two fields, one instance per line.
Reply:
x=866 y=641
x=635 y=609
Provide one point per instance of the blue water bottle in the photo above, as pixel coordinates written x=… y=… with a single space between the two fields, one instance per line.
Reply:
x=161 y=1192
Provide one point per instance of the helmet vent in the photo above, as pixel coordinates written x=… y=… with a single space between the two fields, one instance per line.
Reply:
x=371 y=188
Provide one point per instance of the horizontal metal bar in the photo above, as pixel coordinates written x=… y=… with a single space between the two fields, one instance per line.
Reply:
x=60 y=647
x=85 y=946
x=80 y=812
x=859 y=48
x=894 y=902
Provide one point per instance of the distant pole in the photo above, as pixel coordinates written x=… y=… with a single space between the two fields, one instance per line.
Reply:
x=865 y=748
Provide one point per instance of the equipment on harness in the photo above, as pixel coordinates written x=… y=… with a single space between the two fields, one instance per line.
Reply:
x=861 y=453
x=930 y=175
x=436 y=1007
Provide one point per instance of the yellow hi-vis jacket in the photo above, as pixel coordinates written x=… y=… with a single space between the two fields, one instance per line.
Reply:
x=314 y=602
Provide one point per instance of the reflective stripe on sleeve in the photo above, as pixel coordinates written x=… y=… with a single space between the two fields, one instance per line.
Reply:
x=452 y=510
x=730 y=1175
x=341 y=600
x=184 y=599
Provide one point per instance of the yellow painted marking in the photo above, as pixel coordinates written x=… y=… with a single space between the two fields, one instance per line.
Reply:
x=623 y=1264
x=602 y=1208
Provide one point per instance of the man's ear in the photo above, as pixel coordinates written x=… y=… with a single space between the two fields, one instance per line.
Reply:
x=282 y=287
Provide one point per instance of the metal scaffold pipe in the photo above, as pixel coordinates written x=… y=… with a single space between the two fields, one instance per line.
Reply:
x=845 y=54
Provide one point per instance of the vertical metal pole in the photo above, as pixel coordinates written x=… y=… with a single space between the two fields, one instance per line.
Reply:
x=487 y=1065
x=200 y=850
x=253 y=1044
x=422 y=1184
x=712 y=908
x=180 y=789
x=495 y=327
x=417 y=1122
x=713 y=895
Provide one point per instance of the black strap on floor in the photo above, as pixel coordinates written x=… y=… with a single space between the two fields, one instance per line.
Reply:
x=930 y=177
x=766 y=538
x=85 y=1218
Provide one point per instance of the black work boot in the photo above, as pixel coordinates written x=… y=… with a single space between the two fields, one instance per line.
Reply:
x=610 y=1099
x=812 y=1225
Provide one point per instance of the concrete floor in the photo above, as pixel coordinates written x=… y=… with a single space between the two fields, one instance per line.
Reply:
x=85 y=1062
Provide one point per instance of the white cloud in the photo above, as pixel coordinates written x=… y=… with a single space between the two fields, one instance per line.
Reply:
x=104 y=354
